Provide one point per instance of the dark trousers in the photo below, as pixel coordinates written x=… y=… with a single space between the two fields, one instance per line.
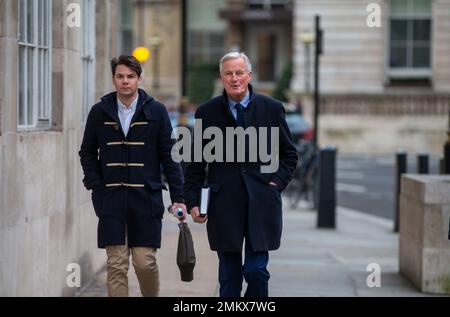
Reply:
x=232 y=272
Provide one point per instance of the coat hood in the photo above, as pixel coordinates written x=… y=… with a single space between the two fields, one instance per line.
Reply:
x=109 y=103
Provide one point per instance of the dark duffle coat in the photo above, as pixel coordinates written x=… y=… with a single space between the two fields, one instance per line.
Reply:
x=125 y=172
x=242 y=202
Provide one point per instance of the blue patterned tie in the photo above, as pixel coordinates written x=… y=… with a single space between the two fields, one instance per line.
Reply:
x=240 y=119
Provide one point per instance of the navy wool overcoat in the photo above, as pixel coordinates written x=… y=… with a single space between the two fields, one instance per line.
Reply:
x=242 y=203
x=125 y=172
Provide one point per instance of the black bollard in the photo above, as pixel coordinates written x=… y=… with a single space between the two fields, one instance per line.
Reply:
x=401 y=168
x=422 y=163
x=447 y=157
x=326 y=211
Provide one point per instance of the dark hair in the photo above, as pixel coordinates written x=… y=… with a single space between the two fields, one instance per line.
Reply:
x=127 y=60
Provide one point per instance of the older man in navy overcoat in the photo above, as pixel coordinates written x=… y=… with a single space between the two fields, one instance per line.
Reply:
x=244 y=202
x=127 y=140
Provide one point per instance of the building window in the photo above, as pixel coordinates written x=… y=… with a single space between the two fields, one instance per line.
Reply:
x=34 y=41
x=88 y=56
x=410 y=39
x=205 y=47
x=126 y=40
x=266 y=56
x=267 y=4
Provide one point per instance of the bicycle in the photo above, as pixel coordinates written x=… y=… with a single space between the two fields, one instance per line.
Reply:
x=304 y=182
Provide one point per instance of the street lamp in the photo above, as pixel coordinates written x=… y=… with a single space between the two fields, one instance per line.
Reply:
x=141 y=53
x=155 y=45
x=307 y=38
x=318 y=39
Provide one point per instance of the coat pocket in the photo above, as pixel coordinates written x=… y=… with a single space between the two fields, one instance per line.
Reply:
x=276 y=187
x=277 y=192
x=155 y=196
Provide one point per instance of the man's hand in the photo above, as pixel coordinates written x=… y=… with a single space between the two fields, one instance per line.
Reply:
x=179 y=205
x=195 y=213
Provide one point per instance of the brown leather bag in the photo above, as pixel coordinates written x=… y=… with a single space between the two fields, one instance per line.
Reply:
x=185 y=253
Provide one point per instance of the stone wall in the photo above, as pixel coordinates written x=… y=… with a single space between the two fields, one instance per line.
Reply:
x=381 y=124
x=424 y=250
x=46 y=217
x=383 y=134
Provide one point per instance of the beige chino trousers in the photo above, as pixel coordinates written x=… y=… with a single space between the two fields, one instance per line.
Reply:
x=145 y=266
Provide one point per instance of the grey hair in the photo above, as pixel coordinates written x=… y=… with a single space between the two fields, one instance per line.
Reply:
x=235 y=55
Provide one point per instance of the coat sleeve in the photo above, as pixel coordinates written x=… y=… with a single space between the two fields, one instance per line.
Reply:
x=89 y=154
x=171 y=169
x=195 y=175
x=287 y=151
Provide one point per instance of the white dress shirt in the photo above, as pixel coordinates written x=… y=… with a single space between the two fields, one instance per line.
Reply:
x=126 y=114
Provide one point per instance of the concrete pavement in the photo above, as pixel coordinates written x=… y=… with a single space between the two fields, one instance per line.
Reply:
x=311 y=261
x=333 y=262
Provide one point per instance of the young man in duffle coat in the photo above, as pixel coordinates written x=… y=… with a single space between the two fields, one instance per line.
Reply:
x=126 y=141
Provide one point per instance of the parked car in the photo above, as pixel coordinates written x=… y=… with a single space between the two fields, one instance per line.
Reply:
x=299 y=127
x=189 y=119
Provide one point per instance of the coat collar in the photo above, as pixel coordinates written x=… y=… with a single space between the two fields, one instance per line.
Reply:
x=143 y=99
x=109 y=105
x=227 y=108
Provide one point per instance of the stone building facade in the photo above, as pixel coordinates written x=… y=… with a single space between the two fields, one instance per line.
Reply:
x=54 y=64
x=383 y=86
